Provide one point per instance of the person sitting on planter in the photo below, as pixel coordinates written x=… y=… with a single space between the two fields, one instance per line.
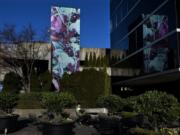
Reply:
x=83 y=117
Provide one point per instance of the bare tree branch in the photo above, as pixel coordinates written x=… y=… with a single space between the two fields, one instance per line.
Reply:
x=18 y=52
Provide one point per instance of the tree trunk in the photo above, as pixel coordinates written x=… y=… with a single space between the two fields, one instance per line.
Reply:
x=29 y=85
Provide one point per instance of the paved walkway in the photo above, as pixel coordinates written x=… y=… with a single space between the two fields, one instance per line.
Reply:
x=79 y=130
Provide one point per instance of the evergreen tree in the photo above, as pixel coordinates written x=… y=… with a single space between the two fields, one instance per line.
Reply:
x=86 y=61
x=98 y=62
x=107 y=60
x=94 y=60
x=101 y=61
x=104 y=61
x=90 y=60
x=107 y=81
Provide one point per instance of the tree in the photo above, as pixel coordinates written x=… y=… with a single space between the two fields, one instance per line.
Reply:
x=94 y=60
x=90 y=60
x=12 y=82
x=98 y=62
x=19 y=51
x=86 y=61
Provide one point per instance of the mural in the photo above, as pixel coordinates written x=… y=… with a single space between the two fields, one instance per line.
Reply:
x=156 y=56
x=65 y=40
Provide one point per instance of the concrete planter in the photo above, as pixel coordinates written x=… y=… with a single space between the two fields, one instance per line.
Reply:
x=8 y=122
x=57 y=129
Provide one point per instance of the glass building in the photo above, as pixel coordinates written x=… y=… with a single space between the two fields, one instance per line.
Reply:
x=148 y=31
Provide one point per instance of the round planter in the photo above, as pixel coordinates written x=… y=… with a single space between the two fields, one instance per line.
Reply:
x=108 y=125
x=8 y=122
x=58 y=129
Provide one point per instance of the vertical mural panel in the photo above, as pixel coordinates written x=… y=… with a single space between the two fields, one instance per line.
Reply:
x=65 y=40
x=156 y=56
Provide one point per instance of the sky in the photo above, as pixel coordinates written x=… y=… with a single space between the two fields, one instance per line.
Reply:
x=94 y=17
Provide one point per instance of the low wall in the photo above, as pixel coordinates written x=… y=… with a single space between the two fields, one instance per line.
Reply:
x=25 y=113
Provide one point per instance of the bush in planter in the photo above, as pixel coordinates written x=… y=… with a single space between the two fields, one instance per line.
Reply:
x=56 y=102
x=113 y=103
x=159 y=107
x=7 y=102
x=56 y=121
x=8 y=120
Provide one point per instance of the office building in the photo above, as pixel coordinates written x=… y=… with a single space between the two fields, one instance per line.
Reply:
x=148 y=31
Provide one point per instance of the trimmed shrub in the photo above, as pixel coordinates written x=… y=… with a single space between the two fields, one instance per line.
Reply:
x=8 y=101
x=86 y=86
x=113 y=103
x=12 y=82
x=56 y=102
x=159 y=107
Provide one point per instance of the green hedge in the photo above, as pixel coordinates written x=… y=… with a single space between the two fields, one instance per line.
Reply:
x=33 y=100
x=29 y=100
x=87 y=85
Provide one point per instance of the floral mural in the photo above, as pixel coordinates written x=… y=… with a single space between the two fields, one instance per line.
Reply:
x=156 y=56
x=65 y=40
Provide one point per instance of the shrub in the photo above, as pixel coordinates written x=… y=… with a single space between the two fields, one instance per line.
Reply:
x=7 y=102
x=113 y=103
x=12 y=82
x=159 y=107
x=86 y=86
x=29 y=100
x=169 y=131
x=129 y=103
x=56 y=102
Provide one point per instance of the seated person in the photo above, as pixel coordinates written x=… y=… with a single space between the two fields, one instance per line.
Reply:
x=83 y=117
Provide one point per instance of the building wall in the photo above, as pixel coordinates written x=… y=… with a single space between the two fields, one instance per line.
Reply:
x=148 y=31
x=138 y=28
x=99 y=52
x=42 y=54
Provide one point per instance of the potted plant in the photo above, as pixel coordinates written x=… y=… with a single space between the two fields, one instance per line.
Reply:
x=55 y=121
x=8 y=120
x=114 y=104
x=160 y=108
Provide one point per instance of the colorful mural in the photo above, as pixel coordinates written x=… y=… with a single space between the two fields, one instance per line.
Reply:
x=156 y=56
x=65 y=40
